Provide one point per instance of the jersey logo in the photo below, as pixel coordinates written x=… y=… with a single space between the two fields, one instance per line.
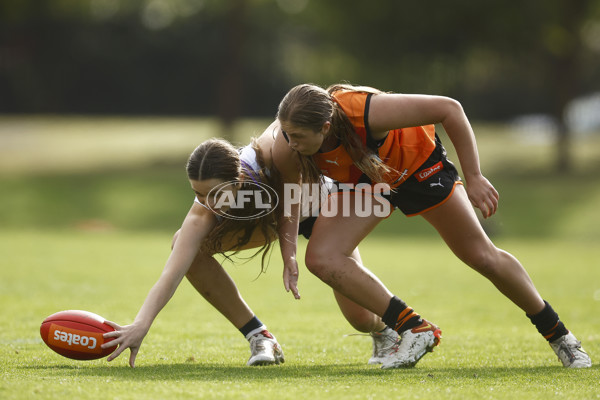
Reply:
x=438 y=183
x=335 y=162
x=401 y=177
x=429 y=172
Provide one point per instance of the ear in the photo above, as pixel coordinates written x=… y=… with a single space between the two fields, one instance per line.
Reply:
x=326 y=128
x=240 y=179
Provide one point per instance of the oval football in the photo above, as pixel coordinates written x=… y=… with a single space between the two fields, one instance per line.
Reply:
x=76 y=334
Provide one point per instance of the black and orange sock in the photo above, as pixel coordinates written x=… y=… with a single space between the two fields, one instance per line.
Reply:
x=400 y=317
x=548 y=324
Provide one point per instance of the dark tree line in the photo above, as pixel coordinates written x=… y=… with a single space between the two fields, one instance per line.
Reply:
x=233 y=58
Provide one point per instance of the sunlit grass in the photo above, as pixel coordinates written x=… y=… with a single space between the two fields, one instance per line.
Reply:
x=50 y=144
x=489 y=349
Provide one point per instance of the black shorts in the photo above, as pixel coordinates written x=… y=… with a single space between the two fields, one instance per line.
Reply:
x=305 y=227
x=430 y=186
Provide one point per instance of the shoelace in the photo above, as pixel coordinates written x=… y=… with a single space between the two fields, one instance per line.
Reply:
x=257 y=343
x=568 y=347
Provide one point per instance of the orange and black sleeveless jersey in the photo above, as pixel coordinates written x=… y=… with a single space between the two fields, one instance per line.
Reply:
x=404 y=150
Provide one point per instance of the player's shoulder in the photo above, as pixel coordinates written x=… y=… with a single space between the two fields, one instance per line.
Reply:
x=284 y=158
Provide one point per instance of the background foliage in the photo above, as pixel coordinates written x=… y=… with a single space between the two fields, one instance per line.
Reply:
x=205 y=57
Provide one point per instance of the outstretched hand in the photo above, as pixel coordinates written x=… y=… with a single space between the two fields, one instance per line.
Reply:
x=290 y=277
x=128 y=336
x=483 y=195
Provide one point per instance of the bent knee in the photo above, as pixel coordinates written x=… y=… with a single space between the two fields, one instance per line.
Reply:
x=322 y=259
x=313 y=262
x=318 y=260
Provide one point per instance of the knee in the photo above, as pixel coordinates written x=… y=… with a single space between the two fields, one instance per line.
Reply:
x=317 y=260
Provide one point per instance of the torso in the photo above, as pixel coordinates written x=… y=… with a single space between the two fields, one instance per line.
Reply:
x=404 y=150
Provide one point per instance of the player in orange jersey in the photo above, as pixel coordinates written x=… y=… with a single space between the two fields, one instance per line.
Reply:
x=361 y=135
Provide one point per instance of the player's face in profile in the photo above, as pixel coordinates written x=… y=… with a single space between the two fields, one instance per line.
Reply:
x=303 y=140
x=209 y=191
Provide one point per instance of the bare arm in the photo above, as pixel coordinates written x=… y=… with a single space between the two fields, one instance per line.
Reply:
x=286 y=162
x=393 y=111
x=196 y=226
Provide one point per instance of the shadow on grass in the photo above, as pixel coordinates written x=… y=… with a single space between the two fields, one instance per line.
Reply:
x=220 y=372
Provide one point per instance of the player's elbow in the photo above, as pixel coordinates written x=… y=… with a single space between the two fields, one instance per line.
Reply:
x=175 y=239
x=452 y=106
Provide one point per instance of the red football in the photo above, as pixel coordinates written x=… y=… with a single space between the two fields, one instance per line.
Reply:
x=76 y=334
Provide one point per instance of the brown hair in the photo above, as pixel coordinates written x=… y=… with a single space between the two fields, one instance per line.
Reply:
x=218 y=159
x=310 y=106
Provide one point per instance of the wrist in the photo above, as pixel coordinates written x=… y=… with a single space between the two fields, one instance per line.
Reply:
x=472 y=175
x=143 y=323
x=290 y=259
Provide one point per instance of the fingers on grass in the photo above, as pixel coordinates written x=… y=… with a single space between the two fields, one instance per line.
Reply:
x=132 y=356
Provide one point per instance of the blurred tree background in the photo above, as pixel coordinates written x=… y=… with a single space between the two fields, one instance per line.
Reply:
x=236 y=58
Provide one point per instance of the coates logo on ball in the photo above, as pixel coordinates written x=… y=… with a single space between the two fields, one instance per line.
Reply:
x=253 y=200
x=76 y=334
x=73 y=339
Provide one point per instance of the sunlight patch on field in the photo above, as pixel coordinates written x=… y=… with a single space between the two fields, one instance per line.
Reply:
x=49 y=144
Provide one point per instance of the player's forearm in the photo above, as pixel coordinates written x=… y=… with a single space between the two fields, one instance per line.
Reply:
x=288 y=233
x=184 y=251
x=157 y=298
x=461 y=134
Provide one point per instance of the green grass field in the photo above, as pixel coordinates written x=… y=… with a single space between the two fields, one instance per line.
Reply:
x=96 y=239
x=489 y=349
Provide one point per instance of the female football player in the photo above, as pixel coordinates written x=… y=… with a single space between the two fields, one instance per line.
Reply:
x=361 y=135
x=211 y=228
